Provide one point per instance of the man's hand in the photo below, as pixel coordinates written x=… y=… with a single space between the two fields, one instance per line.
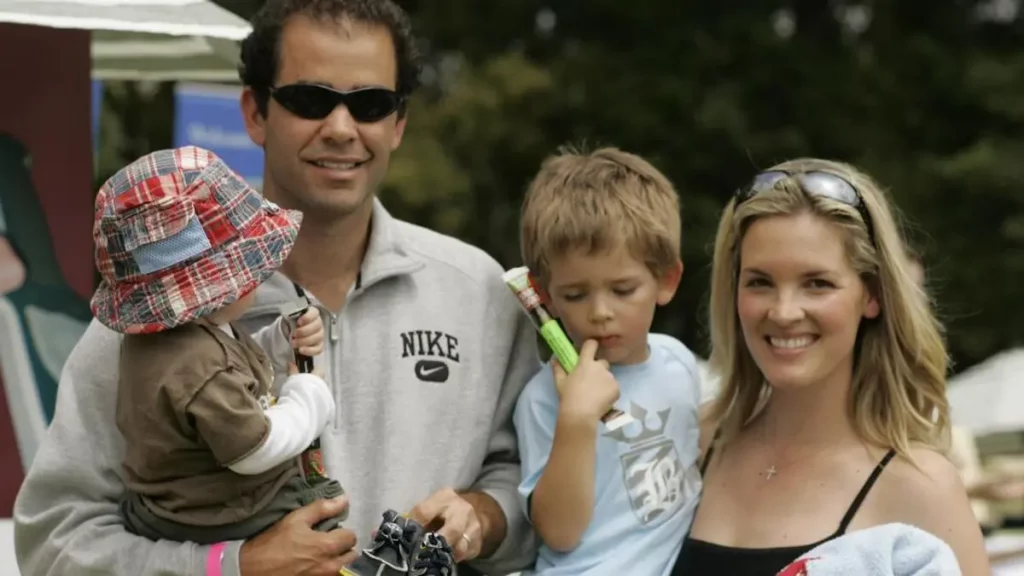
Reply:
x=292 y=548
x=472 y=522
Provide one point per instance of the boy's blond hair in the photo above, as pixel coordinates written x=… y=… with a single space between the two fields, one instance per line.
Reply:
x=595 y=202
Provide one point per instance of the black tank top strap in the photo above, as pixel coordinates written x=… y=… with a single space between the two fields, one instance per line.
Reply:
x=852 y=511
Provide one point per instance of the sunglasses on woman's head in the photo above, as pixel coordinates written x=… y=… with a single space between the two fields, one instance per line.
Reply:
x=815 y=183
x=316 y=102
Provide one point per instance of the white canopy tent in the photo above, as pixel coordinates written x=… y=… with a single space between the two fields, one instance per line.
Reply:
x=989 y=398
x=162 y=40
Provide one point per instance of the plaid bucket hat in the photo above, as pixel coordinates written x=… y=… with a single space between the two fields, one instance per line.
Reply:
x=179 y=235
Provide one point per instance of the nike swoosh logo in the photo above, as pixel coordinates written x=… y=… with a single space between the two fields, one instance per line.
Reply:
x=431 y=371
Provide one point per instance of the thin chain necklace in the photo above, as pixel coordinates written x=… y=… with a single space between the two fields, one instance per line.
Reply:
x=772 y=470
x=769 y=472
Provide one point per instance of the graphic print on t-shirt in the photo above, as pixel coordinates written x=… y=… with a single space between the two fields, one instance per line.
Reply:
x=652 y=470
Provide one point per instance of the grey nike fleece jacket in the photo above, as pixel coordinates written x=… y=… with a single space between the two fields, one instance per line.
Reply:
x=425 y=361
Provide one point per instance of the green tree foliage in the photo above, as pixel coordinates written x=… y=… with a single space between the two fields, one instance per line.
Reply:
x=923 y=95
x=926 y=96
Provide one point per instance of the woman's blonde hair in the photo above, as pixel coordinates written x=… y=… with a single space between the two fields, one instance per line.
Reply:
x=898 y=392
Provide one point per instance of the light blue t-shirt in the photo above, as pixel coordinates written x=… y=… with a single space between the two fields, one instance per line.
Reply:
x=646 y=482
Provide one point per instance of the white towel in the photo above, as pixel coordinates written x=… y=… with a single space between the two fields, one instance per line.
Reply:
x=885 y=550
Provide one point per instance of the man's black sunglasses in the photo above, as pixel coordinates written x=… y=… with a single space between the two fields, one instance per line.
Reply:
x=316 y=102
x=814 y=183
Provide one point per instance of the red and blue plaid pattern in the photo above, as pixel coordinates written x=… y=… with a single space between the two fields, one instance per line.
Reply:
x=179 y=235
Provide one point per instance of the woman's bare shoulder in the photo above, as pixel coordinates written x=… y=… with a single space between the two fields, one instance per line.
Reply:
x=919 y=488
x=926 y=491
x=926 y=469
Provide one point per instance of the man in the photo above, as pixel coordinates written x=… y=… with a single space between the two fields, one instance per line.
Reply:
x=426 y=350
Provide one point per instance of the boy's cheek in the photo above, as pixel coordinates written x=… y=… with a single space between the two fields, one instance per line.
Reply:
x=567 y=319
x=570 y=331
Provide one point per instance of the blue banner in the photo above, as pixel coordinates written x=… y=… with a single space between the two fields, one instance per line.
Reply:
x=209 y=116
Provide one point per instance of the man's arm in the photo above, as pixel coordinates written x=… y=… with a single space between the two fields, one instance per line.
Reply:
x=500 y=476
x=66 y=514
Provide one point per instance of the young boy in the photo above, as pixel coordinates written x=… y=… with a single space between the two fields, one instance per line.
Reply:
x=210 y=456
x=601 y=234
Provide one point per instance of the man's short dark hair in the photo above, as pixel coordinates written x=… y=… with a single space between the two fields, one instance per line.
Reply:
x=260 y=55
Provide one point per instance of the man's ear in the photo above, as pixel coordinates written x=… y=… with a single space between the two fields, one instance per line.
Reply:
x=396 y=139
x=668 y=283
x=255 y=123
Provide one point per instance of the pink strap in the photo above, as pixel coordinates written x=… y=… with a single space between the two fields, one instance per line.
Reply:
x=213 y=559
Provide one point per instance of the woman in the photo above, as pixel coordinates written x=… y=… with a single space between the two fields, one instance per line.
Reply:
x=832 y=411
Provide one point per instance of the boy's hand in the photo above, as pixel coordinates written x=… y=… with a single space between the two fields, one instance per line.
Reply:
x=591 y=389
x=308 y=336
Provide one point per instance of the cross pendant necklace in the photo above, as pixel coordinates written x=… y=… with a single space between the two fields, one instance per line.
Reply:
x=769 y=472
